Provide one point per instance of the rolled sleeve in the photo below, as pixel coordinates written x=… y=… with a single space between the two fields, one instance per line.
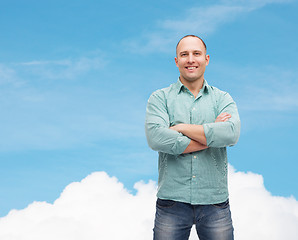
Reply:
x=223 y=134
x=159 y=137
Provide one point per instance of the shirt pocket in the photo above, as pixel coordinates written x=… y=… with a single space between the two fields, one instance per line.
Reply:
x=203 y=114
x=179 y=114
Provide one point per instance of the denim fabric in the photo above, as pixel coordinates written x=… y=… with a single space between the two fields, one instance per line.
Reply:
x=174 y=220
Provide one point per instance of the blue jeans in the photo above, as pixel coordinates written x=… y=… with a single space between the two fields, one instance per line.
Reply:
x=174 y=220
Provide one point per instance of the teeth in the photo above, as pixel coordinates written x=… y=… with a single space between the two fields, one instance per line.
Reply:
x=190 y=68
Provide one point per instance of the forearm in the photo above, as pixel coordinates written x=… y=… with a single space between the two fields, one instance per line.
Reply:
x=194 y=132
x=226 y=134
x=222 y=134
x=225 y=131
x=194 y=147
x=164 y=140
x=160 y=138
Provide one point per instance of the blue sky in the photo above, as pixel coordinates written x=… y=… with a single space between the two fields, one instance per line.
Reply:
x=75 y=77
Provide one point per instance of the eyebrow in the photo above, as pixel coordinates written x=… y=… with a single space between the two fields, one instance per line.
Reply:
x=190 y=51
x=183 y=52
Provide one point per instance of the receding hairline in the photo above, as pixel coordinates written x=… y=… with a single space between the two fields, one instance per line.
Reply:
x=191 y=35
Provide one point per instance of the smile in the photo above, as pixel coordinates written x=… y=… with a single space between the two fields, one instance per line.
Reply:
x=191 y=68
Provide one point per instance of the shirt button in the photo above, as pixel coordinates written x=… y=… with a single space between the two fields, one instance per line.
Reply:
x=193 y=176
x=194 y=109
x=195 y=157
x=191 y=96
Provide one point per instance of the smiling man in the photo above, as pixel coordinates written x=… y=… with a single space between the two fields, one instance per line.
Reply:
x=190 y=124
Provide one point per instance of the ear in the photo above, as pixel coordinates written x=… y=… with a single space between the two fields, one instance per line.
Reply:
x=176 y=61
x=207 y=59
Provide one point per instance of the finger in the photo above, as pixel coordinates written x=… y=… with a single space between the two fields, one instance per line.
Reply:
x=223 y=115
x=226 y=118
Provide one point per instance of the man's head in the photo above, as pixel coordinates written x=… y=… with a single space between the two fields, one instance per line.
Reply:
x=194 y=37
x=191 y=58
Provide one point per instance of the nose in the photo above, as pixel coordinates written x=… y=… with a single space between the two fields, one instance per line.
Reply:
x=190 y=58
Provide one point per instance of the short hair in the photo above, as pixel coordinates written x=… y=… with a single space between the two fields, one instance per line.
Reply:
x=191 y=35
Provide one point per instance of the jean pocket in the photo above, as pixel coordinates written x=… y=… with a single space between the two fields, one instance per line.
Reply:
x=222 y=205
x=165 y=203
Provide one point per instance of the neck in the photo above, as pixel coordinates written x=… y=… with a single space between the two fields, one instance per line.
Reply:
x=193 y=86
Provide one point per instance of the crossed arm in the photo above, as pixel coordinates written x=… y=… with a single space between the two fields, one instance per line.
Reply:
x=196 y=133
x=186 y=138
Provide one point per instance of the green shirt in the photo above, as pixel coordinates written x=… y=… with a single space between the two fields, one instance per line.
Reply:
x=199 y=177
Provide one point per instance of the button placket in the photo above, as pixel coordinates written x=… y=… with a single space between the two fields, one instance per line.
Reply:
x=194 y=158
x=194 y=177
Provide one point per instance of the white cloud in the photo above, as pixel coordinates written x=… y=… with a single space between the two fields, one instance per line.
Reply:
x=256 y=213
x=203 y=20
x=5 y=74
x=46 y=114
x=8 y=76
x=200 y=20
x=99 y=207
x=72 y=118
x=259 y=87
x=253 y=4
x=63 y=68
x=281 y=100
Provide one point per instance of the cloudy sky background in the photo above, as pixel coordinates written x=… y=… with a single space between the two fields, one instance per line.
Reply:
x=75 y=77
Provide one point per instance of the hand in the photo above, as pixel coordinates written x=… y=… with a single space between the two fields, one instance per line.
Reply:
x=223 y=117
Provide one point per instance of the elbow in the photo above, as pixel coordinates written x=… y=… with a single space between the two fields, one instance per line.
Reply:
x=152 y=139
x=153 y=144
x=164 y=140
x=232 y=140
x=222 y=134
x=234 y=135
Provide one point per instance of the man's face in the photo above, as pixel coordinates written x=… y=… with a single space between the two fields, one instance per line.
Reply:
x=191 y=59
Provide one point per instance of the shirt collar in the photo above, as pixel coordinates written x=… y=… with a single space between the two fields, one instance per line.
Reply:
x=180 y=86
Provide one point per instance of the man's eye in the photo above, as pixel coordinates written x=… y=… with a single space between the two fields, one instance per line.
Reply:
x=197 y=53
x=183 y=54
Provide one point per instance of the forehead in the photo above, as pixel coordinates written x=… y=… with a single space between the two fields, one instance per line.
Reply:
x=190 y=44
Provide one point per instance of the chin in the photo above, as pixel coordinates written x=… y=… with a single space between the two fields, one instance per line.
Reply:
x=194 y=79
